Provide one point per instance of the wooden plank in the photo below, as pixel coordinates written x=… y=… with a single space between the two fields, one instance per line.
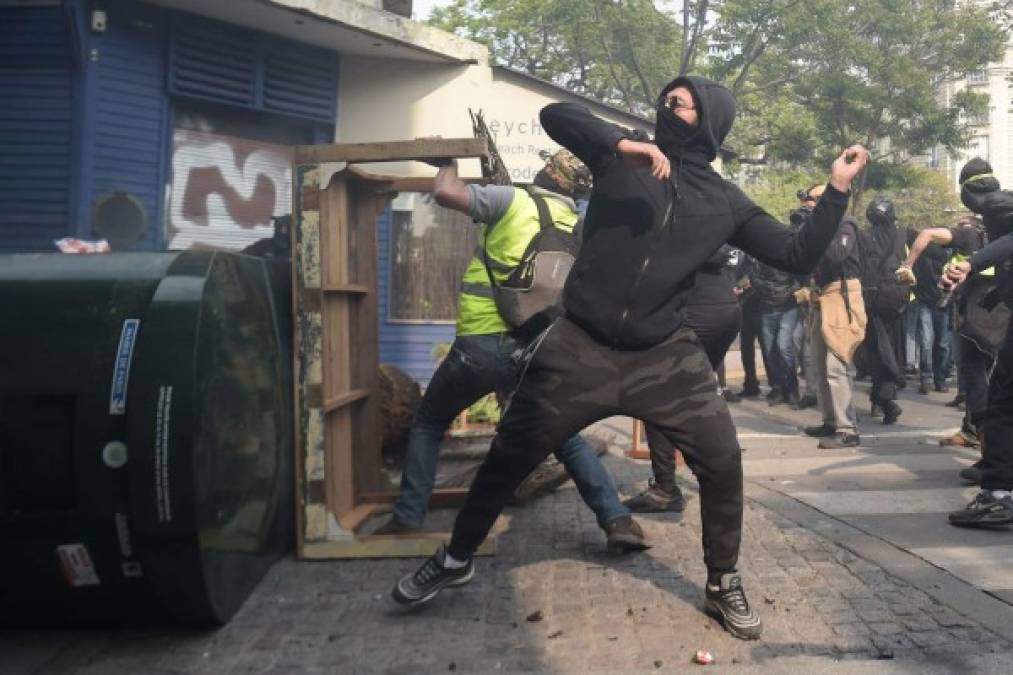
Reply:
x=392 y=151
x=342 y=400
x=353 y=289
x=358 y=515
x=440 y=498
x=387 y=546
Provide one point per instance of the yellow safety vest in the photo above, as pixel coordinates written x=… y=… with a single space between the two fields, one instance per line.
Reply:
x=508 y=238
x=958 y=257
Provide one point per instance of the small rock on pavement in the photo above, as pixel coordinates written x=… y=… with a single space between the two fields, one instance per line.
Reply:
x=553 y=636
x=658 y=663
x=536 y=616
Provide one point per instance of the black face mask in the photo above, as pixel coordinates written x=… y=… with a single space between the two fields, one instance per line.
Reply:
x=671 y=132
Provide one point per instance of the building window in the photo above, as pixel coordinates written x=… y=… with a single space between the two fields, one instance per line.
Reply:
x=978 y=76
x=430 y=247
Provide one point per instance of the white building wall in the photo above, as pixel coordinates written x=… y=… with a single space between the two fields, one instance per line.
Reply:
x=992 y=139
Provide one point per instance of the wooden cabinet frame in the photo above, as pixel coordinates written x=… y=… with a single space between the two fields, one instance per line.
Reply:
x=339 y=478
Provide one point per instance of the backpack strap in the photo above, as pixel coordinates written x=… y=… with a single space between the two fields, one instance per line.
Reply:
x=545 y=221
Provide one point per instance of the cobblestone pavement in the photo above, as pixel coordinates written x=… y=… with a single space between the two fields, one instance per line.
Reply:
x=552 y=601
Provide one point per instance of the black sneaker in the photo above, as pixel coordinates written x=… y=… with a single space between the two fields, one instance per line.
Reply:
x=749 y=392
x=972 y=474
x=623 y=534
x=957 y=401
x=774 y=395
x=427 y=581
x=821 y=431
x=840 y=440
x=395 y=526
x=656 y=500
x=727 y=602
x=924 y=388
x=891 y=411
x=986 y=510
x=807 y=401
x=730 y=396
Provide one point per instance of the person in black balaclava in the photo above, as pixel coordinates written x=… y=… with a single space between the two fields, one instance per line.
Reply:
x=885 y=300
x=981 y=194
x=658 y=212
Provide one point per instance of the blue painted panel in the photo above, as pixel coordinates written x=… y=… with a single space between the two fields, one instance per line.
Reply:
x=214 y=61
x=36 y=127
x=130 y=109
x=407 y=346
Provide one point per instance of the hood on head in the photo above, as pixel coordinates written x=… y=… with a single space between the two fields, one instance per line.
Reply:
x=974 y=167
x=716 y=110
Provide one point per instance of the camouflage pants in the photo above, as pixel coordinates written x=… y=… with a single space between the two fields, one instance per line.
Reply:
x=573 y=381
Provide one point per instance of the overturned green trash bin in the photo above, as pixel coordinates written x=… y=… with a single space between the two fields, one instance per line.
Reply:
x=145 y=435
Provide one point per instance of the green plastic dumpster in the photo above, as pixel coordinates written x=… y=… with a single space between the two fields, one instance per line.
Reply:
x=145 y=435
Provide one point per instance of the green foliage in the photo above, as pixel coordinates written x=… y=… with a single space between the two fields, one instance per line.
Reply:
x=620 y=52
x=922 y=197
x=775 y=190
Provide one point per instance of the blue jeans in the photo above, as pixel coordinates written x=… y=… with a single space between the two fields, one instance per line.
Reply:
x=478 y=365
x=934 y=341
x=777 y=333
x=911 y=341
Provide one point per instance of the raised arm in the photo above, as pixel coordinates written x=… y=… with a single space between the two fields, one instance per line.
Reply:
x=451 y=192
x=575 y=128
x=932 y=235
x=763 y=237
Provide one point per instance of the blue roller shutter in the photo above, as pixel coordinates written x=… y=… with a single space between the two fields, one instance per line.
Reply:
x=213 y=61
x=129 y=143
x=36 y=127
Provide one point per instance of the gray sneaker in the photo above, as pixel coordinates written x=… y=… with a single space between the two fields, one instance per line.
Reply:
x=656 y=500
x=841 y=439
x=727 y=602
x=427 y=581
x=985 y=511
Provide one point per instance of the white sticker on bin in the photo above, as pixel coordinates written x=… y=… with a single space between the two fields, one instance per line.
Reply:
x=77 y=566
x=121 y=368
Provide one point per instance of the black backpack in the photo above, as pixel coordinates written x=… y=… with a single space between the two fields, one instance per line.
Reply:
x=531 y=297
x=880 y=289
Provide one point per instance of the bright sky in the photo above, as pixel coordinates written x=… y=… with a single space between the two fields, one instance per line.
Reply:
x=421 y=8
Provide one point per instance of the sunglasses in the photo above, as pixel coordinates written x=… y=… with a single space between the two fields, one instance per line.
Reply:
x=677 y=102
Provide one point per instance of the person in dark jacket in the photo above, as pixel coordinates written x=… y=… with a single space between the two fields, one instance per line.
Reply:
x=714 y=315
x=980 y=192
x=752 y=320
x=885 y=302
x=932 y=321
x=979 y=332
x=658 y=212
x=777 y=330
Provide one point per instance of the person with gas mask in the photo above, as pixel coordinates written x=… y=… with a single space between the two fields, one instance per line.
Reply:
x=658 y=212
x=980 y=192
x=882 y=250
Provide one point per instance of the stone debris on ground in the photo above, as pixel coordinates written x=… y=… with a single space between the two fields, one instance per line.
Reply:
x=551 y=600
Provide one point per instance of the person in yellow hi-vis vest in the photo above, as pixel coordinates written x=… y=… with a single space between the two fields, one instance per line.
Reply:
x=486 y=357
x=978 y=333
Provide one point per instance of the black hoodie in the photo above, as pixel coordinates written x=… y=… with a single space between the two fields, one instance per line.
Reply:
x=980 y=193
x=644 y=238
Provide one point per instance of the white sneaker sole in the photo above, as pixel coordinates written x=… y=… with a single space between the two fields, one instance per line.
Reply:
x=402 y=598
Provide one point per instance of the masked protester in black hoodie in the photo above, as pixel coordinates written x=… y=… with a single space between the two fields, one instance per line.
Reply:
x=981 y=194
x=883 y=250
x=657 y=213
